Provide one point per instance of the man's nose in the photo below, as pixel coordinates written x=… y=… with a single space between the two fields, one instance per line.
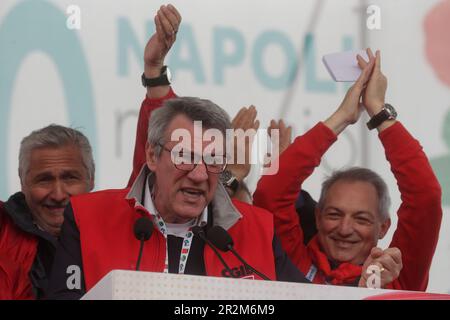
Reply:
x=59 y=192
x=199 y=173
x=345 y=227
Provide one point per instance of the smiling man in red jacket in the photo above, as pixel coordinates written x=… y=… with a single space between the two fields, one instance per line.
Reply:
x=55 y=163
x=352 y=213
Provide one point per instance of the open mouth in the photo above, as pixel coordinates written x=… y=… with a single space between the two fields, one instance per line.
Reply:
x=192 y=193
x=55 y=209
x=344 y=243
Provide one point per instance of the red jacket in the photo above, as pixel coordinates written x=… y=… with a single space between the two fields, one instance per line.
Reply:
x=17 y=252
x=419 y=216
x=12 y=284
x=114 y=212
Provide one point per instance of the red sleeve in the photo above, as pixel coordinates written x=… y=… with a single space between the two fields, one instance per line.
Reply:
x=147 y=107
x=18 y=246
x=277 y=193
x=420 y=213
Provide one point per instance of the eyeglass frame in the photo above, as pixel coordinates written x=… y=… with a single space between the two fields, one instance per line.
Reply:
x=193 y=164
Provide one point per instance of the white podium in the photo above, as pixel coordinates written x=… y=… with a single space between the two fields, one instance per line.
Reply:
x=132 y=285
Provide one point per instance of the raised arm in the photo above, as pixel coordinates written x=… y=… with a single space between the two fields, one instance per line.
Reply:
x=420 y=213
x=167 y=22
x=277 y=193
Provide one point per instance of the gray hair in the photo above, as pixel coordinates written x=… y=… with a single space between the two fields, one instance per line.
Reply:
x=55 y=136
x=359 y=174
x=210 y=114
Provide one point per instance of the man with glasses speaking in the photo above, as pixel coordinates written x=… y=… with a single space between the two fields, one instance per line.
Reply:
x=182 y=202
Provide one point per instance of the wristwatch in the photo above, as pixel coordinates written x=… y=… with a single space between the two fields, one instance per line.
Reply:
x=163 y=80
x=229 y=181
x=387 y=113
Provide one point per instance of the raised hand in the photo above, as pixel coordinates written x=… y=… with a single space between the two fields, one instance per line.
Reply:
x=244 y=120
x=167 y=22
x=284 y=134
x=350 y=109
x=375 y=92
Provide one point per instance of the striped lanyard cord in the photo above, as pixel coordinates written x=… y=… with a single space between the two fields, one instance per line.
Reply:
x=185 y=249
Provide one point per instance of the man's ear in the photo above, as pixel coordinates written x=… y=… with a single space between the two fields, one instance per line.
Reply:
x=91 y=184
x=384 y=228
x=21 y=178
x=317 y=216
x=150 y=156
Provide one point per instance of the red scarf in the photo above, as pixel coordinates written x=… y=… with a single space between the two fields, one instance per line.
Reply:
x=345 y=274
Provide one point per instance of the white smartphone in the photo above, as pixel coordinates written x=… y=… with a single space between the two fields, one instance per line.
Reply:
x=343 y=66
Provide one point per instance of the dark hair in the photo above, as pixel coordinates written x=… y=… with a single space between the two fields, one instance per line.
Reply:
x=210 y=114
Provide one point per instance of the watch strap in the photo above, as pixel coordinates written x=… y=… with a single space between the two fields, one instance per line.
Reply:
x=162 y=80
x=382 y=116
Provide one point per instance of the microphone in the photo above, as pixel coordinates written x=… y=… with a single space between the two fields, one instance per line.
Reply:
x=198 y=231
x=143 y=229
x=220 y=238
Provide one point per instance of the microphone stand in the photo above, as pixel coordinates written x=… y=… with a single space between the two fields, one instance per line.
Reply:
x=263 y=276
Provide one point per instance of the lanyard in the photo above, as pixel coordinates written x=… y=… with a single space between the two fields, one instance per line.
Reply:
x=311 y=273
x=186 y=247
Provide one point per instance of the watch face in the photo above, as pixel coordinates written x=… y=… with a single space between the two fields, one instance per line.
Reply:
x=169 y=75
x=225 y=176
x=391 y=111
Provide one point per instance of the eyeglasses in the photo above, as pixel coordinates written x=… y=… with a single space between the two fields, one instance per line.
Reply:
x=187 y=161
